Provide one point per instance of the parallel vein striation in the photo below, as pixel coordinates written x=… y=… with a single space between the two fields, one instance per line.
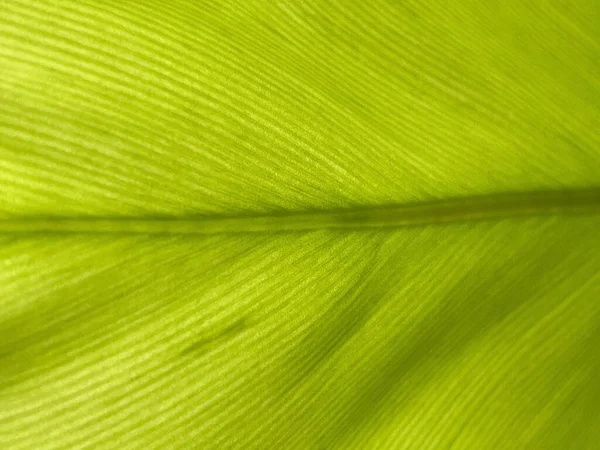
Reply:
x=415 y=337
x=148 y=108
x=223 y=224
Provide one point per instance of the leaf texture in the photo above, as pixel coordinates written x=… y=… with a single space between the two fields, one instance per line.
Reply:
x=299 y=224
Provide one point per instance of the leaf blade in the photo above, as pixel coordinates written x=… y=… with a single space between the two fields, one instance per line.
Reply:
x=116 y=116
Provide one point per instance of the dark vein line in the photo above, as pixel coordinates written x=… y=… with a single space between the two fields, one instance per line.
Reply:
x=467 y=209
x=206 y=343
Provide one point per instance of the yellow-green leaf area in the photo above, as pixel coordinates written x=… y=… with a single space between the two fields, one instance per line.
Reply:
x=299 y=224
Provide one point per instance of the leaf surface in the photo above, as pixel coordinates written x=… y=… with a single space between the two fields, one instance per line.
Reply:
x=299 y=225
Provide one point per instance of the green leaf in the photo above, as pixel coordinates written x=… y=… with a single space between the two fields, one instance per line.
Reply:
x=299 y=224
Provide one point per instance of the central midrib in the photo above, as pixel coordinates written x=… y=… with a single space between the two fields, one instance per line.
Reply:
x=479 y=208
